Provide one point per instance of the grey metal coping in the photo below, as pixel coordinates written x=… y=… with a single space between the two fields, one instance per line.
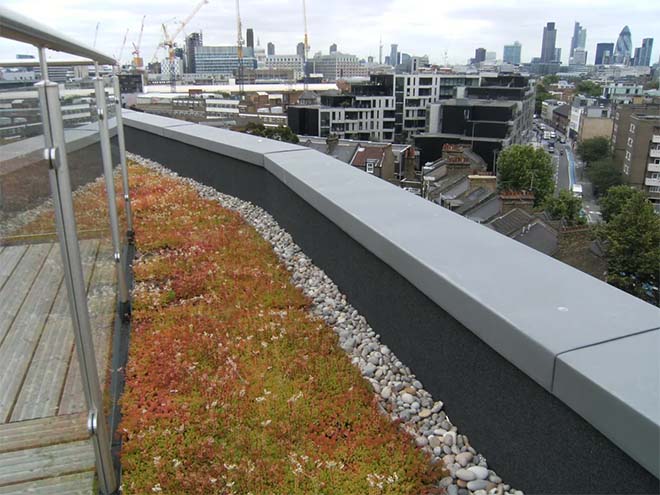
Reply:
x=245 y=147
x=20 y=28
x=623 y=379
x=528 y=307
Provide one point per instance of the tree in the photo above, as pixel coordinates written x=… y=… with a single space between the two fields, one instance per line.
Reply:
x=594 y=149
x=589 y=88
x=632 y=248
x=524 y=168
x=279 y=133
x=614 y=201
x=565 y=207
x=604 y=174
x=550 y=79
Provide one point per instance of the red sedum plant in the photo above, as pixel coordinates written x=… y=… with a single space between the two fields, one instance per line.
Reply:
x=232 y=387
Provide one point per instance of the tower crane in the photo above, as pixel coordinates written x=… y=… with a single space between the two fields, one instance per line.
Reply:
x=169 y=42
x=96 y=34
x=306 y=51
x=121 y=50
x=239 y=50
x=137 y=60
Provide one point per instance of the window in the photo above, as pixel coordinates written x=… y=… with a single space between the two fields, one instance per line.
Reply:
x=370 y=167
x=632 y=127
x=654 y=189
x=628 y=156
x=655 y=175
x=630 y=141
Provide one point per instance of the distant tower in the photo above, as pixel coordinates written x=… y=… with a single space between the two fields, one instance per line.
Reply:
x=623 y=48
x=548 y=53
x=250 y=38
x=604 y=53
x=643 y=53
x=192 y=40
x=270 y=49
x=511 y=54
x=579 y=39
x=479 y=55
x=380 y=51
x=333 y=48
x=300 y=49
x=394 y=50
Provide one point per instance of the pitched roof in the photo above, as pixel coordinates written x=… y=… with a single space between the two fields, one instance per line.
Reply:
x=511 y=221
x=539 y=236
x=364 y=153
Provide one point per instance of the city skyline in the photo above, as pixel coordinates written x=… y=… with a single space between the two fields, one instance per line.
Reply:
x=462 y=29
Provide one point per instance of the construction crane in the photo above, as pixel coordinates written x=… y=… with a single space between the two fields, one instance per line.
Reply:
x=96 y=34
x=138 y=64
x=121 y=50
x=239 y=50
x=169 y=42
x=306 y=51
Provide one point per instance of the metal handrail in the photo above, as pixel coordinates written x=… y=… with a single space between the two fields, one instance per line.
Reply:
x=20 y=28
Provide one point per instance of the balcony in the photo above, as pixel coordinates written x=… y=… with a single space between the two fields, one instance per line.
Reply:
x=550 y=353
x=653 y=167
x=648 y=181
x=654 y=153
x=656 y=138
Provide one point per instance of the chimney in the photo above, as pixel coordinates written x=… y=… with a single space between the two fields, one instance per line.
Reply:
x=517 y=199
x=488 y=182
x=331 y=141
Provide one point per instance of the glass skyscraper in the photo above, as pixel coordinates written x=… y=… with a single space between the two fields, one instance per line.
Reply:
x=623 y=49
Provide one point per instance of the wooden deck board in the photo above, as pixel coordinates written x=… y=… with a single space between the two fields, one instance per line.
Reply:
x=23 y=336
x=46 y=462
x=41 y=392
x=17 y=286
x=42 y=432
x=102 y=302
x=9 y=258
x=70 y=484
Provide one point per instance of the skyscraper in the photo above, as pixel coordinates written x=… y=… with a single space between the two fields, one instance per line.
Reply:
x=643 y=53
x=479 y=55
x=250 y=38
x=192 y=40
x=300 y=49
x=270 y=49
x=394 y=50
x=557 y=57
x=333 y=48
x=579 y=39
x=603 y=49
x=511 y=54
x=549 y=41
x=623 y=48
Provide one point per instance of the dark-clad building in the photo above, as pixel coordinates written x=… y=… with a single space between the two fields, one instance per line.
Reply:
x=548 y=48
x=604 y=53
x=271 y=49
x=250 y=38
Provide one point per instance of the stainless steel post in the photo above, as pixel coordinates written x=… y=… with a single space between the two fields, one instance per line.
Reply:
x=122 y=157
x=60 y=183
x=106 y=156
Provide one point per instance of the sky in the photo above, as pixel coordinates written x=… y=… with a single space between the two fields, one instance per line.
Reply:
x=444 y=32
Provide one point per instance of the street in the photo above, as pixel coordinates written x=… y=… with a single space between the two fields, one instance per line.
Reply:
x=569 y=170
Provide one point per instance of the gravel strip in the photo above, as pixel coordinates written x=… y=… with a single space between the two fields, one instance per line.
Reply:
x=400 y=394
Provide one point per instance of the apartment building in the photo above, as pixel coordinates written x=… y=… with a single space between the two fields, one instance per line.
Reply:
x=338 y=66
x=286 y=62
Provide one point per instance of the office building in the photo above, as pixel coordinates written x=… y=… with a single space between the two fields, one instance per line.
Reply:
x=623 y=48
x=643 y=53
x=511 y=53
x=293 y=63
x=333 y=48
x=394 y=54
x=623 y=92
x=300 y=49
x=557 y=55
x=548 y=45
x=193 y=40
x=249 y=38
x=337 y=66
x=479 y=55
x=491 y=56
x=270 y=49
x=579 y=57
x=579 y=39
x=604 y=53
x=222 y=60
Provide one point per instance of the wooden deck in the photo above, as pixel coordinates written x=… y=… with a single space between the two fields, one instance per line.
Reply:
x=44 y=445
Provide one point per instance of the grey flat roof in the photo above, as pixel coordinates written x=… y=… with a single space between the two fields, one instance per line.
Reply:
x=534 y=310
